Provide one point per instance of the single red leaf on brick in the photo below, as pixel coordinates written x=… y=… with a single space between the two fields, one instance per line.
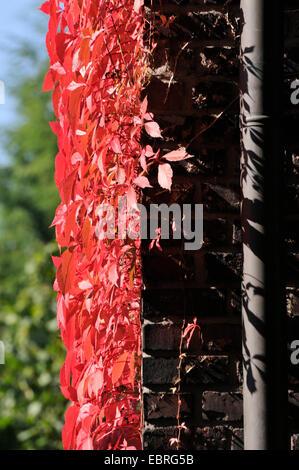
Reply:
x=153 y=129
x=177 y=155
x=165 y=174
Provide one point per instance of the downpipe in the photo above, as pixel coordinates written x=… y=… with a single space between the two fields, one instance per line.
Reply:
x=263 y=299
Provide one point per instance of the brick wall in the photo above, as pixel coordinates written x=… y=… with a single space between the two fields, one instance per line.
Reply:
x=198 y=53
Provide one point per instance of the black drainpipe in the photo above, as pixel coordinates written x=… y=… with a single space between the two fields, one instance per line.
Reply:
x=263 y=300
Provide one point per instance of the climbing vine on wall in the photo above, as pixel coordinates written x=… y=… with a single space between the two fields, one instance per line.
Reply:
x=98 y=69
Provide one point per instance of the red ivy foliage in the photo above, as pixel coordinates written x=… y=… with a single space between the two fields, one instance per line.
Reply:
x=97 y=70
x=98 y=64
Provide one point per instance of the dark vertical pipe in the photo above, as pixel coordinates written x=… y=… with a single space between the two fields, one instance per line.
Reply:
x=263 y=311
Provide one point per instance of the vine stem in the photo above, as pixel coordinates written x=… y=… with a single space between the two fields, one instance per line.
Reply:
x=179 y=402
x=217 y=117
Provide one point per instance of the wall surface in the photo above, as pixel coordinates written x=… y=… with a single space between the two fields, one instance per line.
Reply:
x=194 y=78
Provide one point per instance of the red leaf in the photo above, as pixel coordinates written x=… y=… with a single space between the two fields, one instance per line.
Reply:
x=153 y=129
x=69 y=428
x=131 y=198
x=177 y=155
x=165 y=175
x=113 y=274
x=132 y=368
x=142 y=182
x=55 y=126
x=48 y=82
x=115 y=145
x=68 y=269
x=137 y=5
x=143 y=107
x=45 y=8
x=86 y=230
x=189 y=330
x=118 y=367
x=69 y=185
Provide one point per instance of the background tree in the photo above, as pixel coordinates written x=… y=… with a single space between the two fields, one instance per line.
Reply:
x=32 y=407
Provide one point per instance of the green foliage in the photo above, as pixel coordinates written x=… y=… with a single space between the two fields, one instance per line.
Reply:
x=32 y=407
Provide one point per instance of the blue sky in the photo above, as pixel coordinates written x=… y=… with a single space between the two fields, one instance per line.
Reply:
x=19 y=20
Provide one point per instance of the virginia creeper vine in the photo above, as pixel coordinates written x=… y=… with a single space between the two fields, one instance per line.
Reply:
x=98 y=69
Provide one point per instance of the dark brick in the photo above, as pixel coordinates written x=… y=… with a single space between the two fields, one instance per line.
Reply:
x=200 y=25
x=174 y=57
x=212 y=438
x=157 y=438
x=170 y=303
x=226 y=266
x=292 y=264
x=216 y=337
x=165 y=405
x=159 y=371
x=162 y=303
x=222 y=406
x=181 y=193
x=159 y=337
x=292 y=25
x=291 y=234
x=219 y=198
x=293 y=374
x=177 y=96
x=201 y=370
x=215 y=232
x=206 y=370
x=161 y=267
x=218 y=61
x=222 y=337
x=211 y=134
x=211 y=94
x=207 y=302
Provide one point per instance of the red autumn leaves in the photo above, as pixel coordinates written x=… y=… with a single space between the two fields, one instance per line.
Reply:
x=97 y=67
x=97 y=71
